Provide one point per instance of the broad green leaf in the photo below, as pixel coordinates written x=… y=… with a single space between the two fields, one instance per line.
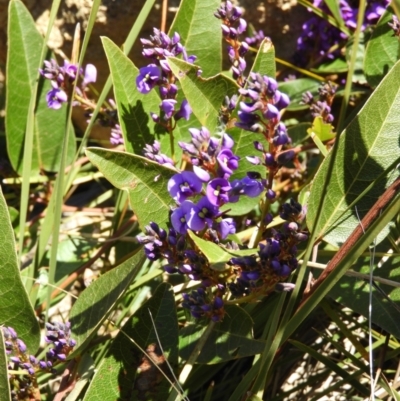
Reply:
x=322 y=130
x=245 y=203
x=5 y=394
x=366 y=158
x=117 y=375
x=71 y=254
x=99 y=299
x=230 y=339
x=24 y=48
x=205 y=95
x=336 y=66
x=383 y=50
x=215 y=255
x=264 y=63
x=133 y=107
x=295 y=90
x=15 y=309
x=200 y=33
x=145 y=181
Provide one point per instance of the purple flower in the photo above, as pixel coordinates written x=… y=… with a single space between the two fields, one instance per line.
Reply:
x=184 y=111
x=246 y=186
x=147 y=78
x=55 y=98
x=90 y=74
x=271 y=112
x=217 y=191
x=202 y=174
x=71 y=70
x=228 y=162
x=227 y=142
x=183 y=185
x=225 y=227
x=281 y=100
x=181 y=215
x=116 y=137
x=206 y=211
x=167 y=106
x=251 y=187
x=253 y=275
x=51 y=70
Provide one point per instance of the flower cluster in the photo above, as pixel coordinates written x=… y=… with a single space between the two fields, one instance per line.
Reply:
x=395 y=25
x=152 y=152
x=201 y=304
x=317 y=33
x=24 y=386
x=213 y=164
x=261 y=114
x=322 y=106
x=276 y=258
x=62 y=79
x=203 y=191
x=158 y=74
x=255 y=39
x=232 y=27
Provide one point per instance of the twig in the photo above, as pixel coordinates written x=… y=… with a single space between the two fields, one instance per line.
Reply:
x=368 y=219
x=164 y=15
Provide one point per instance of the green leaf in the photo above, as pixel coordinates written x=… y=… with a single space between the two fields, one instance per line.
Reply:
x=367 y=154
x=298 y=133
x=133 y=107
x=145 y=181
x=205 y=95
x=382 y=50
x=322 y=130
x=23 y=61
x=295 y=90
x=336 y=66
x=230 y=339
x=264 y=63
x=117 y=375
x=5 y=394
x=71 y=254
x=97 y=301
x=200 y=33
x=245 y=204
x=215 y=255
x=16 y=310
